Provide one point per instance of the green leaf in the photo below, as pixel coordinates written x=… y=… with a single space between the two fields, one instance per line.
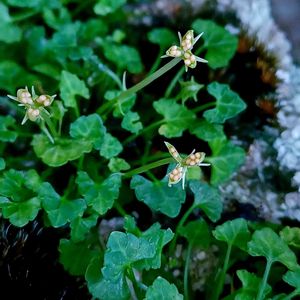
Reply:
x=100 y=196
x=7 y=135
x=189 y=89
x=2 y=164
x=12 y=75
x=76 y=257
x=123 y=250
x=20 y=213
x=251 y=284
x=229 y=104
x=208 y=199
x=92 y=29
x=291 y=235
x=49 y=197
x=158 y=195
x=207 y=131
x=9 y=33
x=61 y=152
x=158 y=237
x=34 y=3
x=56 y=20
x=225 y=160
x=105 y=7
x=177 y=118
x=64 y=44
x=71 y=86
x=131 y=122
x=59 y=210
x=233 y=233
x=161 y=289
x=89 y=128
x=292 y=278
x=19 y=185
x=87 y=132
x=110 y=147
x=81 y=226
x=126 y=58
x=197 y=233
x=117 y=164
x=130 y=225
x=121 y=107
x=267 y=243
x=101 y=288
x=220 y=44
x=163 y=37
x=57 y=110
x=67 y=211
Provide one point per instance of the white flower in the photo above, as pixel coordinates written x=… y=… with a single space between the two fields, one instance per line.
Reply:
x=183 y=51
x=33 y=104
x=194 y=159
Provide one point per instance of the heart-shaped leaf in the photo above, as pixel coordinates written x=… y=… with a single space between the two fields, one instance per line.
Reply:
x=233 y=233
x=228 y=105
x=207 y=198
x=220 y=44
x=158 y=195
x=100 y=196
x=161 y=289
x=265 y=242
x=71 y=86
x=225 y=160
x=177 y=118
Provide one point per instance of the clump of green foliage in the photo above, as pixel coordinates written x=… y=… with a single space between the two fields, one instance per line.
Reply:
x=96 y=152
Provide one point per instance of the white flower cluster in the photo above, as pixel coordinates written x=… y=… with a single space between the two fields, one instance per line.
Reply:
x=184 y=50
x=34 y=104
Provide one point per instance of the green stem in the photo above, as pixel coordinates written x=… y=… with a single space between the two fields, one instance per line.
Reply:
x=76 y=110
x=134 y=89
x=120 y=209
x=264 y=280
x=51 y=126
x=292 y=294
x=186 y=272
x=131 y=276
x=221 y=279
x=203 y=107
x=157 y=62
x=47 y=133
x=24 y=15
x=148 y=167
x=177 y=76
x=179 y=226
x=143 y=131
x=173 y=82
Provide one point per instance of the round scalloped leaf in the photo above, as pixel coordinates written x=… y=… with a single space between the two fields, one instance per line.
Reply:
x=220 y=44
x=161 y=289
x=228 y=105
x=20 y=213
x=61 y=152
x=158 y=195
x=233 y=233
x=208 y=199
x=267 y=243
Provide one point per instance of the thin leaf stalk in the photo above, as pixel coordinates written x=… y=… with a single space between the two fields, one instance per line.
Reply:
x=292 y=295
x=264 y=280
x=221 y=279
x=179 y=226
x=134 y=89
x=148 y=167
x=186 y=272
